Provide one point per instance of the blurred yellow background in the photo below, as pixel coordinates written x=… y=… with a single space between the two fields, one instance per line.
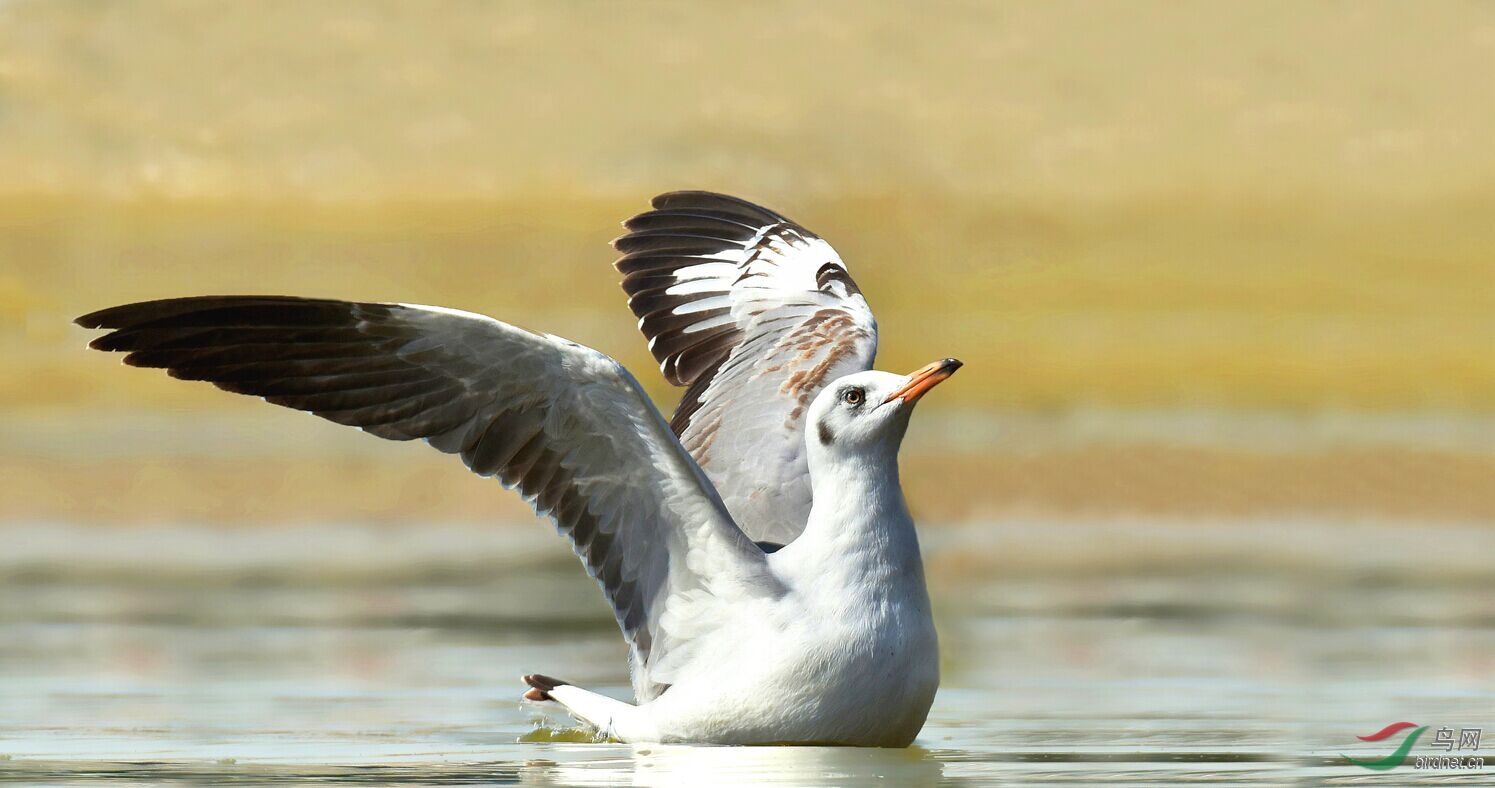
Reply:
x=1200 y=259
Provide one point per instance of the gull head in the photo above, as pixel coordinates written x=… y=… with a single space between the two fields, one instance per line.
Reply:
x=869 y=410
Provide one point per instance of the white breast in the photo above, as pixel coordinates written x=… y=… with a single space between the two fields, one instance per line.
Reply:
x=848 y=656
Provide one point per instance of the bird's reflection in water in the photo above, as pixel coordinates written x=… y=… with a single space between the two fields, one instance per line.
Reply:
x=679 y=765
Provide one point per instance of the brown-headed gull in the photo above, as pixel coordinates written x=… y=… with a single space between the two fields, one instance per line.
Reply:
x=762 y=565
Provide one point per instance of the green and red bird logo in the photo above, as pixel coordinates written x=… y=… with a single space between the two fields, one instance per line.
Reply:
x=1394 y=759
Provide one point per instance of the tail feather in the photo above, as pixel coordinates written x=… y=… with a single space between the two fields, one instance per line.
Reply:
x=611 y=717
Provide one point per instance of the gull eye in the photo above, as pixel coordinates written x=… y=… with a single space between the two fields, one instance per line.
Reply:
x=854 y=396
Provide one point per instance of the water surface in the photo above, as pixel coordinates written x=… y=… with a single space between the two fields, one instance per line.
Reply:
x=351 y=654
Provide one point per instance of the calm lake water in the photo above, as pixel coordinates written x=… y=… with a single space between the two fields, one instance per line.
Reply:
x=363 y=655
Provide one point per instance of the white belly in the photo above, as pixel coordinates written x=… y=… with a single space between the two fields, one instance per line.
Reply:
x=863 y=673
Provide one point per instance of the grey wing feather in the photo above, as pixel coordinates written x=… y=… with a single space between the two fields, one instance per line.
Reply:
x=754 y=315
x=563 y=424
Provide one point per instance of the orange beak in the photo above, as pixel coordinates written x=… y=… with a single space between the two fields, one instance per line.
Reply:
x=925 y=379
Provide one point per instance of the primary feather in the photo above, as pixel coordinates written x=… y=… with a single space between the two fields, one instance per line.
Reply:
x=754 y=315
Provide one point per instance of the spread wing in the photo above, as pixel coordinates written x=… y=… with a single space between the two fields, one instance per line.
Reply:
x=565 y=425
x=754 y=314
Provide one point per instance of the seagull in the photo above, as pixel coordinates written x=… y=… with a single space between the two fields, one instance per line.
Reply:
x=757 y=551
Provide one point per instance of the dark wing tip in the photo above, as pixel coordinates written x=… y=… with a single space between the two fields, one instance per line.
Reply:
x=132 y=326
x=697 y=222
x=541 y=681
x=128 y=315
x=673 y=199
x=540 y=686
x=696 y=199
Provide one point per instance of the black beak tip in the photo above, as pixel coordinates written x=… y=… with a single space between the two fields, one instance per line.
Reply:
x=951 y=364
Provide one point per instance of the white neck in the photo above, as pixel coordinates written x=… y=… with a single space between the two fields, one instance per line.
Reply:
x=859 y=532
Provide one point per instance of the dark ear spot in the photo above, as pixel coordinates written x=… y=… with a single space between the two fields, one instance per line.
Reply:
x=826 y=436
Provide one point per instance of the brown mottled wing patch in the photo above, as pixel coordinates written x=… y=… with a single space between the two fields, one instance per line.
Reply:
x=754 y=315
x=563 y=424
